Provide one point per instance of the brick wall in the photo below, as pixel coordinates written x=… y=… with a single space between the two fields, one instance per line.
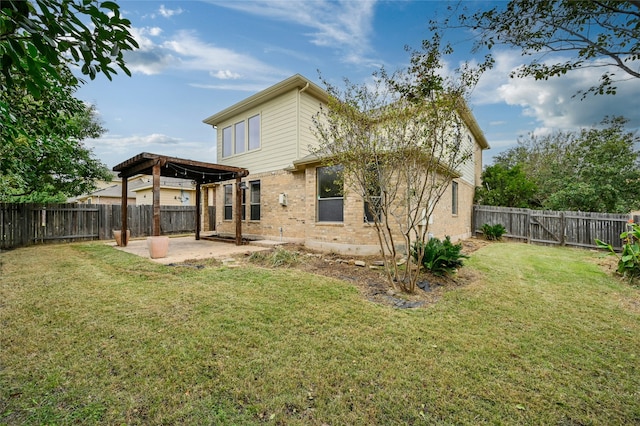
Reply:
x=296 y=221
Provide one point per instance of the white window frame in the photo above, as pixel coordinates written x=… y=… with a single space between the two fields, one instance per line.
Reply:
x=323 y=201
x=242 y=136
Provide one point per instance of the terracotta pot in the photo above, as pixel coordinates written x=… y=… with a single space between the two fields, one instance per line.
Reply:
x=117 y=234
x=158 y=246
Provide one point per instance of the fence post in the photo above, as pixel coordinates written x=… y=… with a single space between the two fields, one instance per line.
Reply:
x=563 y=228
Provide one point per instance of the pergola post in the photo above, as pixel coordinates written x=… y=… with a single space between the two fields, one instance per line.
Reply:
x=238 y=213
x=198 y=207
x=123 y=212
x=156 y=199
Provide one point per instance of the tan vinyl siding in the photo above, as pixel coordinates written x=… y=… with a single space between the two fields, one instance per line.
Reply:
x=468 y=168
x=278 y=136
x=168 y=197
x=309 y=106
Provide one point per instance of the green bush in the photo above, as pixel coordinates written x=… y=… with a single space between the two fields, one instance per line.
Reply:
x=440 y=257
x=629 y=258
x=493 y=232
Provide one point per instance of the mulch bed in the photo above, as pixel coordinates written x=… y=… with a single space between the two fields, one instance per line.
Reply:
x=372 y=282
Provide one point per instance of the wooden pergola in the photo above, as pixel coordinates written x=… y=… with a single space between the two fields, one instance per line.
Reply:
x=199 y=172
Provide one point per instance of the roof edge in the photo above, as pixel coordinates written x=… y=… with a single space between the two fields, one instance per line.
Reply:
x=293 y=82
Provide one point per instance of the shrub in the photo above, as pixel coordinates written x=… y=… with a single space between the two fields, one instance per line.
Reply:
x=629 y=258
x=440 y=257
x=493 y=232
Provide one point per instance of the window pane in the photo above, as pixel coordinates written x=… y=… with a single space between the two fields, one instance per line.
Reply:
x=228 y=202
x=255 y=200
x=255 y=192
x=254 y=132
x=330 y=182
x=454 y=197
x=244 y=203
x=255 y=212
x=330 y=210
x=373 y=210
x=226 y=141
x=330 y=201
x=239 y=129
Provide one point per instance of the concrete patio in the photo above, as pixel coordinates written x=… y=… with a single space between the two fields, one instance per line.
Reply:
x=183 y=248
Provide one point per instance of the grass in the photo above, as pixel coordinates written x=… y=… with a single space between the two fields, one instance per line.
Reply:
x=91 y=335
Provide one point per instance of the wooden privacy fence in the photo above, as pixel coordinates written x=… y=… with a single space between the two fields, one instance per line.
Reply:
x=26 y=224
x=579 y=229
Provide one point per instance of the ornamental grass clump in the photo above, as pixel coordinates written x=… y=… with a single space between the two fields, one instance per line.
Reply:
x=278 y=258
x=629 y=258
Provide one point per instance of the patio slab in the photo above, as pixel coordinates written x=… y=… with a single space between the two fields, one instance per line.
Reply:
x=187 y=247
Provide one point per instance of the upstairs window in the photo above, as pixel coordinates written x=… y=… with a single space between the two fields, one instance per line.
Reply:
x=254 y=133
x=330 y=194
x=227 y=142
x=241 y=137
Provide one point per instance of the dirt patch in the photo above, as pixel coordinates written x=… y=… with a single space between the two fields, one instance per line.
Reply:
x=365 y=274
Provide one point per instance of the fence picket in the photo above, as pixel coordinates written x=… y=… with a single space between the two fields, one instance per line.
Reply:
x=26 y=224
x=577 y=229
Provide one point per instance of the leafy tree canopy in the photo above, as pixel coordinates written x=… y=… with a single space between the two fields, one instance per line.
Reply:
x=506 y=186
x=604 y=30
x=38 y=37
x=42 y=124
x=46 y=160
x=596 y=169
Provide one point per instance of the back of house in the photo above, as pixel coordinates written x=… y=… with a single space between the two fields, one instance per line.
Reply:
x=271 y=134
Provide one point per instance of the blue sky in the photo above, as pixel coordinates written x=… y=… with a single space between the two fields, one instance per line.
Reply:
x=199 y=57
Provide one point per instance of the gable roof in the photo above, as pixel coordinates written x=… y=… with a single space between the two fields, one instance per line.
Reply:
x=297 y=81
x=294 y=82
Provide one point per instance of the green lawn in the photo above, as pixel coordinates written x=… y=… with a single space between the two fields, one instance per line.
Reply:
x=92 y=335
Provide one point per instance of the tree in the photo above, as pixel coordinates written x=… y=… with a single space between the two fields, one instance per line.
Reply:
x=507 y=187
x=399 y=143
x=39 y=38
x=595 y=169
x=597 y=33
x=41 y=123
x=47 y=161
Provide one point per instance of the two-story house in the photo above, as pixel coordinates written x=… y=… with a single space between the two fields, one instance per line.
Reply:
x=270 y=134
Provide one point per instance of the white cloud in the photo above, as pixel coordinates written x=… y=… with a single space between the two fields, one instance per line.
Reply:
x=167 y=13
x=197 y=55
x=123 y=143
x=149 y=58
x=185 y=51
x=241 y=87
x=344 y=24
x=113 y=149
x=225 y=75
x=554 y=103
